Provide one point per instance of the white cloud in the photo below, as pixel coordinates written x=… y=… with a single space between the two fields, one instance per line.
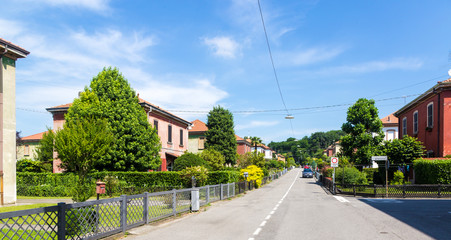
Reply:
x=223 y=46
x=377 y=66
x=309 y=56
x=96 y=5
x=256 y=124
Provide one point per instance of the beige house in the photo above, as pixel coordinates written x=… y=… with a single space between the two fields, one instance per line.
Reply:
x=28 y=147
x=9 y=53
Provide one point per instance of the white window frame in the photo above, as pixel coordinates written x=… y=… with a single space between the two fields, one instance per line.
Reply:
x=430 y=124
x=404 y=126
x=415 y=123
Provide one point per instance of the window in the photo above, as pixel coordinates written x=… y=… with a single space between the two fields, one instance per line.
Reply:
x=415 y=122
x=404 y=126
x=155 y=125
x=201 y=142
x=390 y=135
x=430 y=122
x=181 y=137
x=170 y=134
x=27 y=150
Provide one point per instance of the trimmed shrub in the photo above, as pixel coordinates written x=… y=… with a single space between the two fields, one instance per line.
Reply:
x=398 y=178
x=370 y=174
x=432 y=171
x=218 y=177
x=188 y=160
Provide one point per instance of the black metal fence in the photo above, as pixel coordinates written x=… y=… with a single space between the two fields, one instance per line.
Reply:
x=394 y=191
x=102 y=218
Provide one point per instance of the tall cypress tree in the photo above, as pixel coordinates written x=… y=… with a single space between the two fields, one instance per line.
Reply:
x=110 y=97
x=220 y=134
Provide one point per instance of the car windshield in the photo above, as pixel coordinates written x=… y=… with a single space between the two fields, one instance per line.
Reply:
x=308 y=170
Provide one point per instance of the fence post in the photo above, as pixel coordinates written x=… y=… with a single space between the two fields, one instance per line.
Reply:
x=222 y=192
x=374 y=185
x=333 y=187
x=61 y=221
x=174 y=202
x=195 y=199
x=353 y=188
x=208 y=194
x=146 y=207
x=124 y=213
x=403 y=191
x=228 y=190
x=439 y=191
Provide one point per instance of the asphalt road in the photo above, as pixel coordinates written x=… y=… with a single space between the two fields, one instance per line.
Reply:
x=296 y=208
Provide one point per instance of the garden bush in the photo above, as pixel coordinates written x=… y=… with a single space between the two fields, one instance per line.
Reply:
x=432 y=171
x=254 y=174
x=370 y=174
x=351 y=176
x=200 y=173
x=398 y=178
x=188 y=160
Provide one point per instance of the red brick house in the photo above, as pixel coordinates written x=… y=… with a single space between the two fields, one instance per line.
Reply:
x=428 y=117
x=172 y=130
x=243 y=146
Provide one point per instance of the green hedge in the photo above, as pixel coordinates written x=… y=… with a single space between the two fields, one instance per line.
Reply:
x=60 y=184
x=218 y=177
x=370 y=172
x=432 y=171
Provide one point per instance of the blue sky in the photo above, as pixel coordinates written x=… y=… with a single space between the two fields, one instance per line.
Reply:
x=192 y=55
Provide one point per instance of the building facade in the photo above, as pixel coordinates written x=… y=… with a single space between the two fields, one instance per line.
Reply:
x=390 y=127
x=28 y=147
x=172 y=130
x=9 y=53
x=196 y=138
x=428 y=118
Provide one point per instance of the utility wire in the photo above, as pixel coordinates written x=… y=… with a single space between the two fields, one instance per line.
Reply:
x=272 y=63
x=270 y=56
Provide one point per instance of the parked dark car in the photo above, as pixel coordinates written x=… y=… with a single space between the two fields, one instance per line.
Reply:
x=307 y=173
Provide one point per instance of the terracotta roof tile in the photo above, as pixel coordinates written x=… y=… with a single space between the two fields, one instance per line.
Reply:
x=198 y=126
x=446 y=81
x=389 y=119
x=37 y=136
x=14 y=45
x=239 y=138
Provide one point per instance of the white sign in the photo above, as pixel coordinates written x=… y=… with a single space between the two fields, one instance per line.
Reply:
x=334 y=162
x=379 y=158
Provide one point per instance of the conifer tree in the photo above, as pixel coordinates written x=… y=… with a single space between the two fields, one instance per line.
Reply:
x=220 y=134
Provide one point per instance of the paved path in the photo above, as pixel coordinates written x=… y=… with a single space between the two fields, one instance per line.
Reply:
x=296 y=208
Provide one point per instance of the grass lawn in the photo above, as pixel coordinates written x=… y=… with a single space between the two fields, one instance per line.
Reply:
x=24 y=207
x=21 y=234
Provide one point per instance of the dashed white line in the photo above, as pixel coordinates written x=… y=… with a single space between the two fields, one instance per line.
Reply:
x=341 y=199
x=257 y=231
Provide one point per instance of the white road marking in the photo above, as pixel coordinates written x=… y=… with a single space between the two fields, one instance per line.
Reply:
x=341 y=199
x=257 y=231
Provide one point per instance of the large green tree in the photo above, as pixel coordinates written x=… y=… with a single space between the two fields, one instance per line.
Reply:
x=363 y=132
x=220 y=134
x=111 y=97
x=402 y=151
x=80 y=144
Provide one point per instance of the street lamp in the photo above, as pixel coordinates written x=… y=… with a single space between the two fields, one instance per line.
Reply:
x=289 y=117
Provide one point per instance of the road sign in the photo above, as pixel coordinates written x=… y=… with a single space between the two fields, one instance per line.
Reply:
x=334 y=162
x=379 y=158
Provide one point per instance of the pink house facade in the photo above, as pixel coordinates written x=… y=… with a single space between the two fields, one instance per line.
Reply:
x=172 y=130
